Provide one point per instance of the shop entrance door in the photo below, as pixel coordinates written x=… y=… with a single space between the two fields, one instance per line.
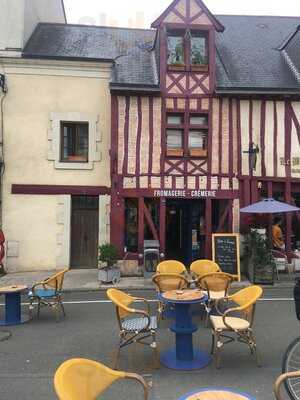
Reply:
x=185 y=239
x=84 y=232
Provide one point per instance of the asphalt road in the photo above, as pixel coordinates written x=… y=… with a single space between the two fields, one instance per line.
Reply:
x=30 y=357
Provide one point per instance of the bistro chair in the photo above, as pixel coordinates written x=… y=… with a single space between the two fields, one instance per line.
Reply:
x=281 y=261
x=166 y=282
x=136 y=324
x=240 y=327
x=203 y=267
x=282 y=379
x=82 y=379
x=171 y=267
x=216 y=285
x=48 y=293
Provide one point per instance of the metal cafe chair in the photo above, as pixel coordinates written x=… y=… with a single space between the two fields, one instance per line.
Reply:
x=48 y=293
x=165 y=282
x=170 y=267
x=240 y=327
x=203 y=267
x=216 y=285
x=82 y=379
x=136 y=324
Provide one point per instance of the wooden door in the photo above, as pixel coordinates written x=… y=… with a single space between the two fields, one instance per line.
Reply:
x=84 y=232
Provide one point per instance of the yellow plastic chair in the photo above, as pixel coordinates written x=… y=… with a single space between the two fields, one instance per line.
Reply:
x=136 y=324
x=216 y=285
x=166 y=282
x=48 y=293
x=241 y=327
x=203 y=267
x=170 y=267
x=81 y=379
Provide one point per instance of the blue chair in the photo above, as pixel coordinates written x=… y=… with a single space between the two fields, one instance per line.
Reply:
x=48 y=293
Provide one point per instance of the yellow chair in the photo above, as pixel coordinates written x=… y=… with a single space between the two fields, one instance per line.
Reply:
x=136 y=324
x=81 y=379
x=293 y=386
x=217 y=285
x=166 y=282
x=203 y=267
x=48 y=293
x=170 y=267
x=241 y=327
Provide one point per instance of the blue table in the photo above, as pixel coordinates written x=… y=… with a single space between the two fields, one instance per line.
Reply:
x=216 y=394
x=183 y=356
x=13 y=314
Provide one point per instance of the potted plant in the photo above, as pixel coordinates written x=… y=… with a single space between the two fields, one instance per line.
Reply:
x=109 y=270
x=258 y=253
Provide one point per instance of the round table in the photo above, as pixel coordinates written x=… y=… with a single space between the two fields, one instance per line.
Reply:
x=13 y=314
x=183 y=356
x=216 y=394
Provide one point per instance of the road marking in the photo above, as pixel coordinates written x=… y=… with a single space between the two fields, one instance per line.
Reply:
x=82 y=302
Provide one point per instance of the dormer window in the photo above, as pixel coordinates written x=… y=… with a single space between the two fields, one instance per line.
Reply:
x=199 y=51
x=176 y=49
x=187 y=50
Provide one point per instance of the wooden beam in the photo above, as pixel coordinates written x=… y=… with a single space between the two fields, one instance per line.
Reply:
x=208 y=228
x=162 y=225
x=150 y=223
x=141 y=227
x=288 y=233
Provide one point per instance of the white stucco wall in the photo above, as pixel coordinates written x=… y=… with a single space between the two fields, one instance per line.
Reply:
x=34 y=224
x=18 y=19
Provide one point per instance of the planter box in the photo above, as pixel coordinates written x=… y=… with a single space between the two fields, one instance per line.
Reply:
x=200 y=68
x=174 y=152
x=198 y=153
x=109 y=274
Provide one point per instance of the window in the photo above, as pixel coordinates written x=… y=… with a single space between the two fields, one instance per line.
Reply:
x=74 y=141
x=198 y=131
x=175 y=50
x=199 y=53
x=131 y=225
x=175 y=134
x=187 y=139
x=188 y=50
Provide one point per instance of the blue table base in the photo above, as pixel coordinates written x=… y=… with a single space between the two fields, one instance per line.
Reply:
x=200 y=360
x=13 y=314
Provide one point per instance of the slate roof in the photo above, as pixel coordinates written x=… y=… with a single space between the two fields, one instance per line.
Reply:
x=129 y=48
x=291 y=51
x=248 y=52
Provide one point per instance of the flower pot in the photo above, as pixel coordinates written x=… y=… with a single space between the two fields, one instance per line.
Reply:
x=109 y=275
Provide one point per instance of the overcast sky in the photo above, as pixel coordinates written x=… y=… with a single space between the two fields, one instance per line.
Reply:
x=119 y=12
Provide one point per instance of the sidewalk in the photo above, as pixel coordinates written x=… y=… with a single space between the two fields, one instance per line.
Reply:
x=83 y=280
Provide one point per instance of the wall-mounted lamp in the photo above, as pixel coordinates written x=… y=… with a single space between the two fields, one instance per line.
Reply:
x=253 y=151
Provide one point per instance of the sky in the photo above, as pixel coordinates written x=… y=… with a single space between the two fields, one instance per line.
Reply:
x=124 y=12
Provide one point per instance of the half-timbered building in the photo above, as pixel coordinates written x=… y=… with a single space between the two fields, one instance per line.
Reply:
x=172 y=129
x=213 y=128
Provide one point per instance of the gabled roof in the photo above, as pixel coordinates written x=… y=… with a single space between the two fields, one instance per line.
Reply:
x=218 y=26
x=291 y=52
x=248 y=57
x=128 y=49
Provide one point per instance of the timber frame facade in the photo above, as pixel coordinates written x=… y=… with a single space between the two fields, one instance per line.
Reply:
x=253 y=145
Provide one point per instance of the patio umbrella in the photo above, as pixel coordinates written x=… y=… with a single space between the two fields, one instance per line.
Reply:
x=269 y=206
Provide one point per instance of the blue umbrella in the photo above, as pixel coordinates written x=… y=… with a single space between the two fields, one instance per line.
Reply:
x=269 y=206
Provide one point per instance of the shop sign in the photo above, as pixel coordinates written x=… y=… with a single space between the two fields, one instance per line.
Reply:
x=185 y=193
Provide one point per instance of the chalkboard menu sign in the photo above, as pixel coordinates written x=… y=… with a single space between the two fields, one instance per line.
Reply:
x=226 y=253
